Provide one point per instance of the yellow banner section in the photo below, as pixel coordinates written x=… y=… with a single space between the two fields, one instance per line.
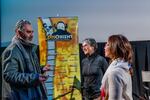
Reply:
x=59 y=47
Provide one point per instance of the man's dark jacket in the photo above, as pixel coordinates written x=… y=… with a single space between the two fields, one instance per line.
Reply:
x=21 y=73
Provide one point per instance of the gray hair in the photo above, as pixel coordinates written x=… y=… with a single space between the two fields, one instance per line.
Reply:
x=20 y=24
x=91 y=42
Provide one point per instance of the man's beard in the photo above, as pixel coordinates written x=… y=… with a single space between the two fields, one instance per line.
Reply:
x=27 y=40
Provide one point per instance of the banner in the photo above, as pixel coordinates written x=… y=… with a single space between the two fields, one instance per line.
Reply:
x=59 y=47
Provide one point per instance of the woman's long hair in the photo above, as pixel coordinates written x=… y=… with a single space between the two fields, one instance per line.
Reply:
x=120 y=47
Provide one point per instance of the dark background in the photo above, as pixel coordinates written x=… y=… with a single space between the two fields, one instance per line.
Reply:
x=141 y=62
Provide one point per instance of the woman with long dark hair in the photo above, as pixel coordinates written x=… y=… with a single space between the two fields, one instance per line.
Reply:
x=117 y=83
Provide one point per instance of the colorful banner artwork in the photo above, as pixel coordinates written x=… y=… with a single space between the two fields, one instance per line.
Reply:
x=59 y=47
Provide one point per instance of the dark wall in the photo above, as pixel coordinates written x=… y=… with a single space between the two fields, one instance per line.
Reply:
x=0 y=52
x=141 y=62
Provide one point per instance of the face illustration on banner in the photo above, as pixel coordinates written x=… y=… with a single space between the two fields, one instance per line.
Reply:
x=61 y=32
x=61 y=26
x=61 y=29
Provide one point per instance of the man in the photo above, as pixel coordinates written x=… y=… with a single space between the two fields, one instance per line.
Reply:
x=22 y=75
x=93 y=69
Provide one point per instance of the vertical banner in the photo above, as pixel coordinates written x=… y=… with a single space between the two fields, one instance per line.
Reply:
x=59 y=47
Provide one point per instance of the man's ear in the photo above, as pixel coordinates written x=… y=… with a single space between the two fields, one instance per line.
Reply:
x=17 y=32
x=20 y=34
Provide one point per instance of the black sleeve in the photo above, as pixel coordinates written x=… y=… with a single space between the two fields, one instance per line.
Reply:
x=82 y=78
x=104 y=65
